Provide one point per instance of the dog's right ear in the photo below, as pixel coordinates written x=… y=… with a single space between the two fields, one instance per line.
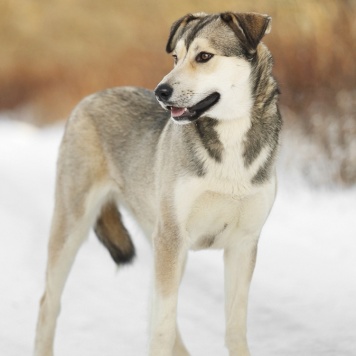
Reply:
x=177 y=29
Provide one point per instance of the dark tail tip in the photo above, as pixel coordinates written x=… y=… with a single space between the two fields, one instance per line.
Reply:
x=113 y=234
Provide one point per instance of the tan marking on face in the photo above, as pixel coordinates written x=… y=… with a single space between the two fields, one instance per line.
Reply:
x=189 y=63
x=180 y=50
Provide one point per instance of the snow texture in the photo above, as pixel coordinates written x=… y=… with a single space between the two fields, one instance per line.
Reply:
x=303 y=294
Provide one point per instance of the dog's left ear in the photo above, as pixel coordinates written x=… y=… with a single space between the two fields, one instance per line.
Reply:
x=249 y=27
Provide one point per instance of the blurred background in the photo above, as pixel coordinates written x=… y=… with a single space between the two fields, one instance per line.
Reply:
x=55 y=52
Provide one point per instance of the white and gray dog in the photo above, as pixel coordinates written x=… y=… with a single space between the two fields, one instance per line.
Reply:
x=196 y=170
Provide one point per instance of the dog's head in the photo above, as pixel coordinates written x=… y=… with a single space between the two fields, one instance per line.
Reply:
x=213 y=55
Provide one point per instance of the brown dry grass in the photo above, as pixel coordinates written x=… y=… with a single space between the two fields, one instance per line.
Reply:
x=55 y=52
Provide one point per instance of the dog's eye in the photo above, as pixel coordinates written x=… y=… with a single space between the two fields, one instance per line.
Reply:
x=175 y=58
x=203 y=57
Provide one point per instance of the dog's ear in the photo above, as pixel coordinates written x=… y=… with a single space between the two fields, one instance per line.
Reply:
x=177 y=30
x=249 y=27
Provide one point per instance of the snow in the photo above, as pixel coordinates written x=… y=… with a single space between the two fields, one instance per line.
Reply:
x=303 y=294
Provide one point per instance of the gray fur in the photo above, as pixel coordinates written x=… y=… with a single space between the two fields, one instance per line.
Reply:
x=205 y=184
x=266 y=121
x=209 y=137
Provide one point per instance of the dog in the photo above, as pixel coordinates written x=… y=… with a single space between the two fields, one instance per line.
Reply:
x=194 y=161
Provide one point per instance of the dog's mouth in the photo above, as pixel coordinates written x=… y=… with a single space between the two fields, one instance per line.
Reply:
x=194 y=112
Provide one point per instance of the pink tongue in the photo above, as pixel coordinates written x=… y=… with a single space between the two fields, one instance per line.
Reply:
x=177 y=111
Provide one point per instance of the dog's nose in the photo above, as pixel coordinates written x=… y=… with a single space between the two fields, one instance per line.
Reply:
x=163 y=92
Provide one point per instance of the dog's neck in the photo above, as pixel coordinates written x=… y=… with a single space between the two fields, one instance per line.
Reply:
x=252 y=137
x=266 y=121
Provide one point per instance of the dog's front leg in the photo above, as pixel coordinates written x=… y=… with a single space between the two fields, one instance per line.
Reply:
x=169 y=260
x=240 y=260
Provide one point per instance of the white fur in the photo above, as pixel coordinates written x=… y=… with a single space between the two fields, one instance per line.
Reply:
x=205 y=205
x=193 y=82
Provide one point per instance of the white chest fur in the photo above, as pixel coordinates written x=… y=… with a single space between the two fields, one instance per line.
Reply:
x=211 y=219
x=224 y=204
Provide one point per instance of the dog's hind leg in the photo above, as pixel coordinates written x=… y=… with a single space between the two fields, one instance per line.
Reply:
x=83 y=185
x=69 y=228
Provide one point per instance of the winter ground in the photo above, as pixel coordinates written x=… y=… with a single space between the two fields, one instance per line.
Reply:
x=303 y=295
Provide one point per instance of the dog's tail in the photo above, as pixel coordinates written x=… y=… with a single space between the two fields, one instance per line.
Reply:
x=113 y=234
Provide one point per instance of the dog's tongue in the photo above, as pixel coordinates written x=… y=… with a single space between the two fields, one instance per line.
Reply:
x=176 y=112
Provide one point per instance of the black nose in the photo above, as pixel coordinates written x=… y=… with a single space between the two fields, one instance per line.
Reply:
x=163 y=92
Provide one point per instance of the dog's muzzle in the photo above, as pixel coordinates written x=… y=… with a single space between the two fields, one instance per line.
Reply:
x=183 y=114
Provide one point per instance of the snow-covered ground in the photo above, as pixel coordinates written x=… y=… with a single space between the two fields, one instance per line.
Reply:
x=303 y=295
